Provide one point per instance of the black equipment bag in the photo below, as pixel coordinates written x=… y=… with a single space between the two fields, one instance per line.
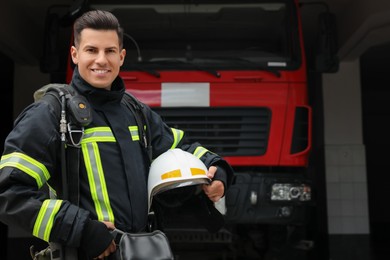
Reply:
x=141 y=246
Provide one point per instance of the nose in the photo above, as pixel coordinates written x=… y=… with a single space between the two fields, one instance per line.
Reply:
x=101 y=58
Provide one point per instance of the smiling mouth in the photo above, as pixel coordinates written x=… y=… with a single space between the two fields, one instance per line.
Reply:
x=100 y=71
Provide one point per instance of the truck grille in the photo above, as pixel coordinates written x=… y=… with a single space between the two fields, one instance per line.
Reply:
x=225 y=131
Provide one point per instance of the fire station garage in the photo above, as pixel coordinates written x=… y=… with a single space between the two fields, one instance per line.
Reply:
x=346 y=47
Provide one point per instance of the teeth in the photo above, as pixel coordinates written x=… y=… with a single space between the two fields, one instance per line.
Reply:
x=101 y=71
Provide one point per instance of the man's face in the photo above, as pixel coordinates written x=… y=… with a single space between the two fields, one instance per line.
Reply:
x=98 y=57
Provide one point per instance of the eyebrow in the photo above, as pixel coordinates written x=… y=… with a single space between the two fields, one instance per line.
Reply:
x=94 y=47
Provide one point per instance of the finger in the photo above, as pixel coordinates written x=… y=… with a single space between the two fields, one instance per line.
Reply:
x=110 y=249
x=102 y=255
x=216 y=188
x=213 y=195
x=211 y=172
x=207 y=188
x=113 y=247
x=109 y=225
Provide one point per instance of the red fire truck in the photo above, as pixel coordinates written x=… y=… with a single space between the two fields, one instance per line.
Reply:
x=233 y=76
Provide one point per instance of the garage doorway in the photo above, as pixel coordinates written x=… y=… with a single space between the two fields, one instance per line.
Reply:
x=375 y=83
x=6 y=108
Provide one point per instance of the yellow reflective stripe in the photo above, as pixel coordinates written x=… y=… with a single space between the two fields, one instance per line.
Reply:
x=45 y=219
x=96 y=129
x=28 y=165
x=197 y=171
x=177 y=136
x=97 y=181
x=134 y=133
x=98 y=134
x=200 y=151
x=171 y=174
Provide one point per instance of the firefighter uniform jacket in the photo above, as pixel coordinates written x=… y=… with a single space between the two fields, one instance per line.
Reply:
x=113 y=171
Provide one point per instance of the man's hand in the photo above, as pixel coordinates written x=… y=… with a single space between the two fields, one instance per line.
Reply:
x=112 y=247
x=215 y=189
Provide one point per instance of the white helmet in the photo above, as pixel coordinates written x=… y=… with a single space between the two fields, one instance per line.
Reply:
x=173 y=169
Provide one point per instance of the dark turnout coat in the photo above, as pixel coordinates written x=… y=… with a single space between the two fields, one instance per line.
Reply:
x=113 y=169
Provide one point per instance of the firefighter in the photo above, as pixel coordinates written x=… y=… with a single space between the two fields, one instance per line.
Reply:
x=113 y=165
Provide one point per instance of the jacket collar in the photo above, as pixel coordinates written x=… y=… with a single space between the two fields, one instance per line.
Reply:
x=95 y=95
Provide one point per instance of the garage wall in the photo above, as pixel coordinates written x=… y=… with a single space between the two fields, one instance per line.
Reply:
x=27 y=80
x=345 y=152
x=21 y=38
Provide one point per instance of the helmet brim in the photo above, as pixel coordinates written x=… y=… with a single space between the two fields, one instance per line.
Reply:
x=175 y=184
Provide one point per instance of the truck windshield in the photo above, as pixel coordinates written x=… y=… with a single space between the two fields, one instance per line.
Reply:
x=213 y=36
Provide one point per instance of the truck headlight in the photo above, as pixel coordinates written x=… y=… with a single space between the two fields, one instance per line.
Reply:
x=289 y=191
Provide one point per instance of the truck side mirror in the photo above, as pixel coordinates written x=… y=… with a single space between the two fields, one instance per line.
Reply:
x=326 y=59
x=50 y=60
x=58 y=24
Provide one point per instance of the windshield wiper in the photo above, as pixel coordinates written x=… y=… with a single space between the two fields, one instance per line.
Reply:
x=252 y=64
x=138 y=66
x=151 y=65
x=185 y=64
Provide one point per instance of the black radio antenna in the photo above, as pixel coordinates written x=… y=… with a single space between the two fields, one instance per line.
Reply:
x=139 y=57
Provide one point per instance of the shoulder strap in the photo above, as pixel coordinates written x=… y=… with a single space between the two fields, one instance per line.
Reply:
x=38 y=94
x=77 y=106
x=72 y=174
x=68 y=101
x=137 y=108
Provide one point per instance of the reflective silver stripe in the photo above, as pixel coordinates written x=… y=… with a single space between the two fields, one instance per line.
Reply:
x=28 y=165
x=200 y=151
x=134 y=133
x=95 y=172
x=177 y=136
x=44 y=222
x=52 y=192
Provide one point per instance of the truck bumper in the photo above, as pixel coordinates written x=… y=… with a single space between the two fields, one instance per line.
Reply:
x=248 y=200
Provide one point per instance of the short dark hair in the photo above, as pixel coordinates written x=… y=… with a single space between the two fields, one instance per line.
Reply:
x=98 y=20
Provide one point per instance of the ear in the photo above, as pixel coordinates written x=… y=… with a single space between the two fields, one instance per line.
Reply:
x=74 y=55
x=122 y=56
